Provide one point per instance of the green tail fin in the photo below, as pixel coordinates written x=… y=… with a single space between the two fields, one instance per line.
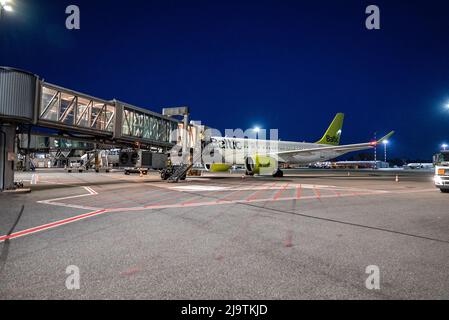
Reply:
x=333 y=134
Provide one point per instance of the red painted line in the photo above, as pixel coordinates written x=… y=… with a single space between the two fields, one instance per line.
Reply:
x=228 y=197
x=188 y=201
x=51 y=225
x=289 y=241
x=298 y=191
x=160 y=197
x=166 y=206
x=214 y=192
x=191 y=200
x=280 y=192
x=139 y=197
x=255 y=194
x=317 y=192
x=164 y=201
x=153 y=198
x=206 y=195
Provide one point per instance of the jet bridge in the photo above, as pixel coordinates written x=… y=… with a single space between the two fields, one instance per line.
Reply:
x=26 y=100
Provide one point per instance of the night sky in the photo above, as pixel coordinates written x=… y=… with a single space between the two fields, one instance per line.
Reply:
x=290 y=65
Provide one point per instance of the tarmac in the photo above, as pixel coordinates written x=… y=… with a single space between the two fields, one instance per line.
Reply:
x=309 y=235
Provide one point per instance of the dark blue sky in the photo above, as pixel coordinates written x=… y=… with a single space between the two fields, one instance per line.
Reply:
x=279 y=64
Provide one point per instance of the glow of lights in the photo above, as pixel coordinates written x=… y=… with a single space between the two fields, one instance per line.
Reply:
x=4 y=5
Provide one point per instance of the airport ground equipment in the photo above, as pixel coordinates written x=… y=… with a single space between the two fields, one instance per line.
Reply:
x=174 y=174
x=441 y=161
x=142 y=161
x=179 y=172
x=97 y=160
x=128 y=159
x=194 y=138
x=26 y=100
x=75 y=165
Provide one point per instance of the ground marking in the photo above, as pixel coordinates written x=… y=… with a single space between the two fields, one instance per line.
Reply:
x=56 y=202
x=178 y=205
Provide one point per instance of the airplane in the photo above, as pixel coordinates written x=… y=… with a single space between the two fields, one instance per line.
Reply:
x=415 y=166
x=263 y=156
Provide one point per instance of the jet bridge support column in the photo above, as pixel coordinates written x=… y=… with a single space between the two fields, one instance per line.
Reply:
x=7 y=156
x=19 y=96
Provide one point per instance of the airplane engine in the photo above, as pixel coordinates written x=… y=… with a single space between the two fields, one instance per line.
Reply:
x=217 y=167
x=263 y=165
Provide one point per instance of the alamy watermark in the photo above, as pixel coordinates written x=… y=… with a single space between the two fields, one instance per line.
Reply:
x=73 y=280
x=254 y=148
x=73 y=21
x=372 y=22
x=373 y=280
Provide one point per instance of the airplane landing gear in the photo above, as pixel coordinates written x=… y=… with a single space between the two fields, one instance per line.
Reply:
x=278 y=174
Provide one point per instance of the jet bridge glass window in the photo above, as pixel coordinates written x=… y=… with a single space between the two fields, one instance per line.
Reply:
x=49 y=104
x=146 y=126
x=65 y=107
x=83 y=114
x=67 y=110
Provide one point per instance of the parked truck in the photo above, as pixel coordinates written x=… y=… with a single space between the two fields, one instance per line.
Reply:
x=441 y=161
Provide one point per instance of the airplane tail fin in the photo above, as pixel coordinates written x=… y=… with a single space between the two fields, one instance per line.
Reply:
x=333 y=134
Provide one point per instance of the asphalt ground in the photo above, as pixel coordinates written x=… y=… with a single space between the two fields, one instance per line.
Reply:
x=309 y=235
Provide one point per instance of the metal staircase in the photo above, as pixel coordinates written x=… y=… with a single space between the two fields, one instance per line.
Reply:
x=181 y=171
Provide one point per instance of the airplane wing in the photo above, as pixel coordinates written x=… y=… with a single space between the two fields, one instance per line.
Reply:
x=343 y=149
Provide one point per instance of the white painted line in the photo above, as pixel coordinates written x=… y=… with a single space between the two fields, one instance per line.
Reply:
x=199 y=188
x=182 y=205
x=56 y=202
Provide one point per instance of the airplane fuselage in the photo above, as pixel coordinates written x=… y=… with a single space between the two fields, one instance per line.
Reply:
x=234 y=151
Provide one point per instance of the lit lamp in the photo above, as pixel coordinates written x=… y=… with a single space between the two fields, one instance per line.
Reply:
x=444 y=146
x=385 y=142
x=257 y=131
x=5 y=5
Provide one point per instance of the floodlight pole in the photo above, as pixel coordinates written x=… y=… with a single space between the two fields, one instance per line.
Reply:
x=375 y=150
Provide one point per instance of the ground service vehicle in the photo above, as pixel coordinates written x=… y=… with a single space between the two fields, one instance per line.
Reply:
x=441 y=161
